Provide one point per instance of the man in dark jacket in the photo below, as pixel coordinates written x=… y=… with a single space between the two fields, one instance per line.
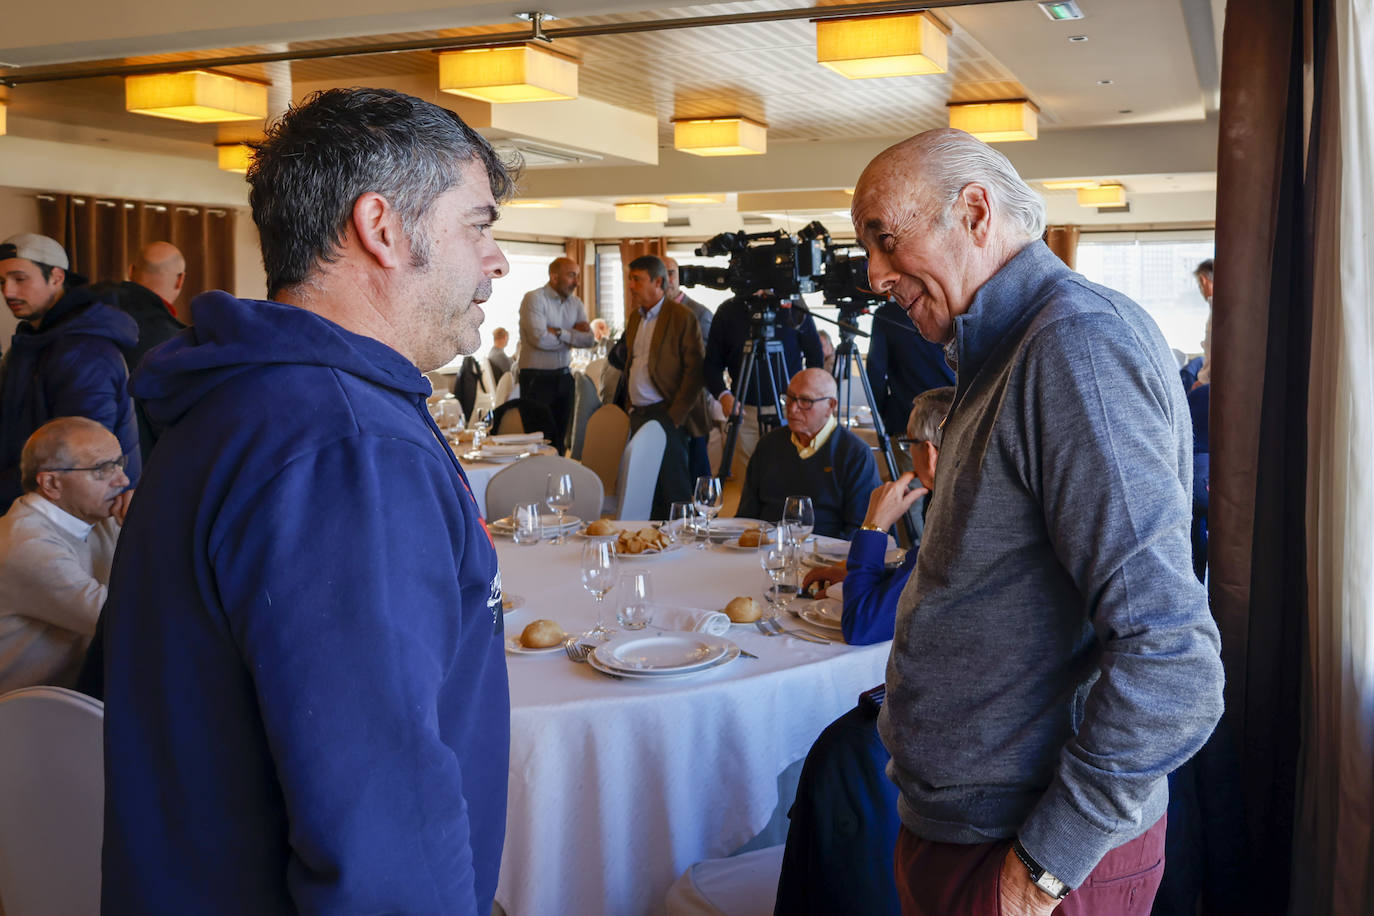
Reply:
x=64 y=359
x=306 y=705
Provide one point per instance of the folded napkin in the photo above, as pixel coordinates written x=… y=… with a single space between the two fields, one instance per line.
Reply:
x=517 y=438
x=835 y=590
x=496 y=448
x=691 y=620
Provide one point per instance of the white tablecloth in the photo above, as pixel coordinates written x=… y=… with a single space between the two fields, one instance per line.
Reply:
x=618 y=786
x=479 y=475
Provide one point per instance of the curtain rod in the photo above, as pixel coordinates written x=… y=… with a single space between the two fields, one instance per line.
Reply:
x=56 y=74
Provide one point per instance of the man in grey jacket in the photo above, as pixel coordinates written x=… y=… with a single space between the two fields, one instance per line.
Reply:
x=1054 y=657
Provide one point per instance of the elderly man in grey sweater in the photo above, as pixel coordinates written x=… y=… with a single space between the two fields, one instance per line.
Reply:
x=1054 y=657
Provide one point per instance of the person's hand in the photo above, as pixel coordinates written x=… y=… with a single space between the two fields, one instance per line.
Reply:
x=121 y=506
x=827 y=574
x=554 y=331
x=583 y=326
x=891 y=501
x=1020 y=897
x=727 y=402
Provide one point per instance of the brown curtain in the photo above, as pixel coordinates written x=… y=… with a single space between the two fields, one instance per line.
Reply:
x=637 y=248
x=576 y=251
x=1262 y=314
x=1063 y=241
x=104 y=235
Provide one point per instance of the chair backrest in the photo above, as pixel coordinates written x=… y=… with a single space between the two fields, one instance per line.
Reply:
x=595 y=370
x=608 y=429
x=585 y=403
x=52 y=802
x=639 y=472
x=525 y=482
x=503 y=389
x=510 y=420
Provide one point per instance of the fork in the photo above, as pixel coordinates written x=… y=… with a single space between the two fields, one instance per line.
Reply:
x=771 y=627
x=578 y=652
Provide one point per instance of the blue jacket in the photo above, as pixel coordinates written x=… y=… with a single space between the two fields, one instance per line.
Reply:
x=901 y=365
x=870 y=590
x=69 y=366
x=306 y=705
x=725 y=351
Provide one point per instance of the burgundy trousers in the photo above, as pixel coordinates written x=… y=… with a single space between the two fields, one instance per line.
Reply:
x=952 y=879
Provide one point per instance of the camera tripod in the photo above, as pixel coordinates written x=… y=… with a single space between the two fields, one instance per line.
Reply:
x=764 y=372
x=847 y=355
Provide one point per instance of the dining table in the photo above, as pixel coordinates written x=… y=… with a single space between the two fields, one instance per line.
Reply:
x=618 y=785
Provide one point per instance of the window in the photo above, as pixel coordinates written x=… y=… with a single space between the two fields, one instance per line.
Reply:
x=1156 y=270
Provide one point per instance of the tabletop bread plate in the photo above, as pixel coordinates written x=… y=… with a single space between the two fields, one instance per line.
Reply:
x=658 y=654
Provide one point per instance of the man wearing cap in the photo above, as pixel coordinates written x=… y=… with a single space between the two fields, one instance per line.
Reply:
x=64 y=359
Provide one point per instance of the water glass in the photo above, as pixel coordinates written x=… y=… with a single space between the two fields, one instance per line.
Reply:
x=681 y=525
x=708 y=499
x=636 y=600
x=527 y=523
x=558 y=493
x=777 y=563
x=599 y=571
x=481 y=424
x=450 y=416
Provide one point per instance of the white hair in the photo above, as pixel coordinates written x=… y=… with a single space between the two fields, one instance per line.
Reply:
x=953 y=159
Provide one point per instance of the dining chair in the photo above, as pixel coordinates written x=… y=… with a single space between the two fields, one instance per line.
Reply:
x=521 y=415
x=525 y=480
x=741 y=885
x=638 y=474
x=608 y=429
x=52 y=797
x=586 y=401
x=596 y=370
x=504 y=389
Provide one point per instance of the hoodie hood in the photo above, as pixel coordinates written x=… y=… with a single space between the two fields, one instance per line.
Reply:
x=233 y=335
x=77 y=312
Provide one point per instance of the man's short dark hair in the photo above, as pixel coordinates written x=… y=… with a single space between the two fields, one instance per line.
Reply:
x=335 y=146
x=652 y=266
x=928 y=412
x=1204 y=269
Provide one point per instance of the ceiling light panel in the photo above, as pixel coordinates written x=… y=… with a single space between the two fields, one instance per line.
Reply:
x=518 y=74
x=868 y=47
x=720 y=137
x=641 y=212
x=1103 y=196
x=198 y=96
x=996 y=122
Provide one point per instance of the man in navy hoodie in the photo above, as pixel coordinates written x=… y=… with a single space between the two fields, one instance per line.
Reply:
x=306 y=698
x=65 y=359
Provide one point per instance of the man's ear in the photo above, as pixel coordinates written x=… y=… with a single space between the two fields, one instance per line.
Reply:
x=181 y=279
x=377 y=228
x=50 y=485
x=977 y=215
x=923 y=456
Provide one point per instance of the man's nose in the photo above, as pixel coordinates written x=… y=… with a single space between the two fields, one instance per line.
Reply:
x=881 y=276
x=496 y=264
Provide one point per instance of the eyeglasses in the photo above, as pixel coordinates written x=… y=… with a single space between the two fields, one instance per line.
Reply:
x=803 y=403
x=102 y=471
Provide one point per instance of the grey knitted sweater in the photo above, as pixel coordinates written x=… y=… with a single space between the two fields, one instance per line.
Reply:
x=1054 y=657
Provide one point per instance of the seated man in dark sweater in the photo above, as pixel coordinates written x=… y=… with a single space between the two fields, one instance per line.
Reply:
x=811 y=456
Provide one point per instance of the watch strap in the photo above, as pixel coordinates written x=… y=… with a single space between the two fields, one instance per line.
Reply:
x=1039 y=876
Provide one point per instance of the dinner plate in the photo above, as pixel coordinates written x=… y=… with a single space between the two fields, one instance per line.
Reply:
x=548 y=522
x=494 y=459
x=730 y=655
x=513 y=647
x=517 y=438
x=822 y=613
x=661 y=653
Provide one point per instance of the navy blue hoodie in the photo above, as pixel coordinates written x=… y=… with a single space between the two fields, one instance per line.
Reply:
x=306 y=705
x=71 y=365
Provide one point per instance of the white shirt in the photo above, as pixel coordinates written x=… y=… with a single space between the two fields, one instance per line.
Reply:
x=54 y=569
x=540 y=310
x=642 y=390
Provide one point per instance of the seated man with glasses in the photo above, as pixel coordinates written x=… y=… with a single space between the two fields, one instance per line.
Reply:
x=811 y=456
x=56 y=544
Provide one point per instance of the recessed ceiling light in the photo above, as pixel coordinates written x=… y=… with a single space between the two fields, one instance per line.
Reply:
x=1078 y=38
x=1060 y=10
x=1104 y=82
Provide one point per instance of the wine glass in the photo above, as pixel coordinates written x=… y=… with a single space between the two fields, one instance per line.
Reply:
x=528 y=525
x=481 y=424
x=636 y=600
x=599 y=570
x=777 y=563
x=708 y=499
x=799 y=517
x=558 y=493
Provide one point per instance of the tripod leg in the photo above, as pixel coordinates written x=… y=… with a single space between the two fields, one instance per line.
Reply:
x=727 y=455
x=884 y=443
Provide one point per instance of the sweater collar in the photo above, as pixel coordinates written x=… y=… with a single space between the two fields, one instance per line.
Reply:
x=1008 y=298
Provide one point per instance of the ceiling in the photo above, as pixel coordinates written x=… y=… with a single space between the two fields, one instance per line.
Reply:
x=1136 y=97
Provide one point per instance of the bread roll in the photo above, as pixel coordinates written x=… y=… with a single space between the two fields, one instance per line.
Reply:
x=542 y=634
x=743 y=610
x=750 y=537
x=601 y=527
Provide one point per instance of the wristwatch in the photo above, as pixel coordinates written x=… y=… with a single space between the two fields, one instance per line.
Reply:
x=1039 y=877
